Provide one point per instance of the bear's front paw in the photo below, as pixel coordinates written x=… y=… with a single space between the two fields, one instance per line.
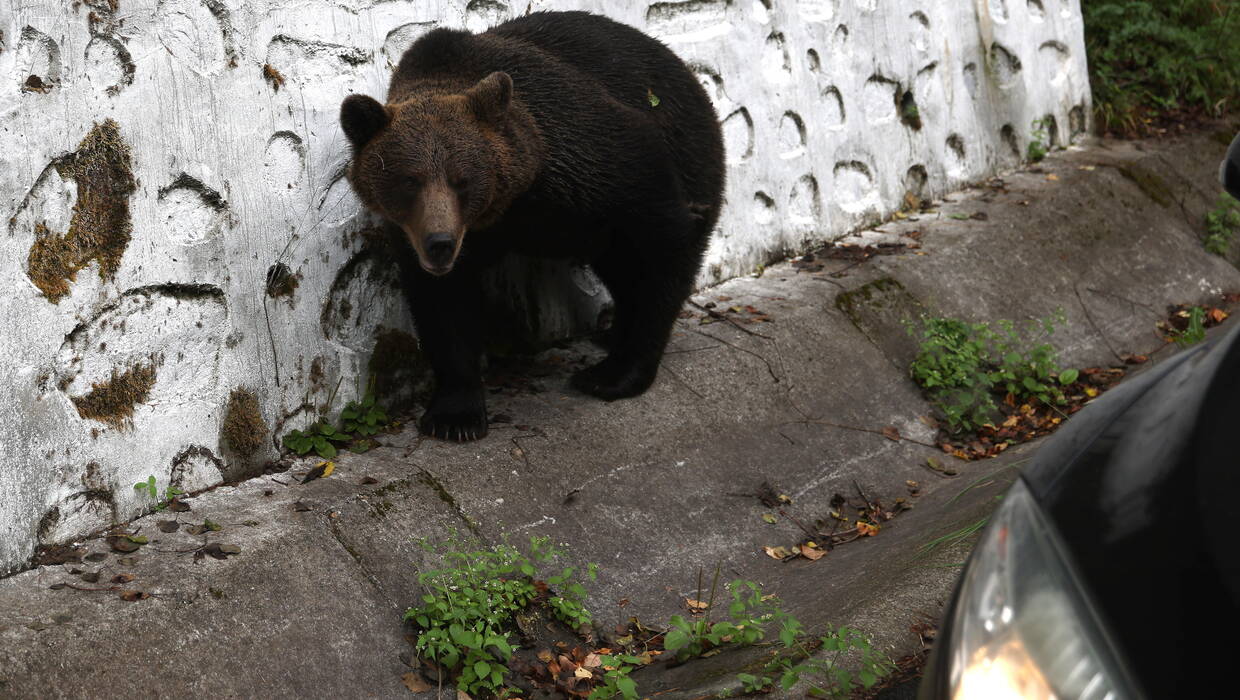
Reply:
x=458 y=416
x=610 y=381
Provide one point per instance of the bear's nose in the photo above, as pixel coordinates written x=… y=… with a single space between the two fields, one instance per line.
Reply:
x=439 y=249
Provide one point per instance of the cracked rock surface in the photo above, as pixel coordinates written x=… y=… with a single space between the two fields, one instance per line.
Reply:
x=653 y=488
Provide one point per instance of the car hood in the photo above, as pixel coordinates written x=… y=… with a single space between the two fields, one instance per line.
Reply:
x=1142 y=486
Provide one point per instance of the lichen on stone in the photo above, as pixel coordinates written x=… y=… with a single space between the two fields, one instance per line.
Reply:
x=100 y=226
x=113 y=401
x=244 y=429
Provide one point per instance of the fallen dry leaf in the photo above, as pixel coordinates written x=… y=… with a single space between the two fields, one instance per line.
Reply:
x=781 y=552
x=866 y=529
x=891 y=433
x=696 y=606
x=592 y=660
x=812 y=552
x=770 y=519
x=134 y=596
x=583 y=672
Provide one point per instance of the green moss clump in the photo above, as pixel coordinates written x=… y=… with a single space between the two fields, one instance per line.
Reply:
x=113 y=401
x=100 y=227
x=244 y=429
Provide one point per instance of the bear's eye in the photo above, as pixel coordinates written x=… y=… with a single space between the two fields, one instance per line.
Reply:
x=458 y=182
x=411 y=181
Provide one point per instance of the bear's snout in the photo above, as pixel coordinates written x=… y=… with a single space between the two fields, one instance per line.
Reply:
x=440 y=252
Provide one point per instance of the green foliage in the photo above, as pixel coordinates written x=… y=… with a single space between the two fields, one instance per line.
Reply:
x=358 y=420
x=827 y=677
x=1151 y=58
x=1222 y=223
x=1040 y=143
x=616 y=682
x=1196 y=330
x=465 y=621
x=748 y=612
x=149 y=487
x=961 y=365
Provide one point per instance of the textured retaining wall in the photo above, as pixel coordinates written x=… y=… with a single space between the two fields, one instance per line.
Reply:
x=187 y=275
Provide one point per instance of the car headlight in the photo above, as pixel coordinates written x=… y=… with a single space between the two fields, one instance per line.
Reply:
x=1023 y=626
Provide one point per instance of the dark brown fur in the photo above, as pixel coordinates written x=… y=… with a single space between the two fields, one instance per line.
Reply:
x=539 y=136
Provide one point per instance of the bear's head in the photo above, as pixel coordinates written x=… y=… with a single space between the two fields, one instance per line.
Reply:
x=431 y=164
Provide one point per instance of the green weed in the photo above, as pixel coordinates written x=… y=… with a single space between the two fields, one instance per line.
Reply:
x=962 y=365
x=466 y=620
x=358 y=420
x=1040 y=142
x=1196 y=330
x=1222 y=223
x=149 y=488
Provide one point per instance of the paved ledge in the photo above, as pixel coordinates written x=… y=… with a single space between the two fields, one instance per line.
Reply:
x=648 y=488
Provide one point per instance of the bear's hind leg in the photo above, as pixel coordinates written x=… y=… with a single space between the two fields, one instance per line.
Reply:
x=649 y=281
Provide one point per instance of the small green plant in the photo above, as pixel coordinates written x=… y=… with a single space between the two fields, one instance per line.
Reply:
x=828 y=677
x=749 y=611
x=961 y=365
x=1196 y=330
x=1039 y=144
x=1222 y=223
x=151 y=490
x=616 y=682
x=466 y=619
x=358 y=420
x=321 y=437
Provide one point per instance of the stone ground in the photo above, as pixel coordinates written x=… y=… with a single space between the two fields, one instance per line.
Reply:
x=654 y=488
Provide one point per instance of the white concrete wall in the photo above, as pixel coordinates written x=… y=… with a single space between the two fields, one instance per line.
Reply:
x=232 y=177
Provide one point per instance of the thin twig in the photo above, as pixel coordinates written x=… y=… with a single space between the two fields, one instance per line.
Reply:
x=812 y=534
x=1089 y=317
x=770 y=370
x=869 y=506
x=678 y=378
x=724 y=317
x=814 y=421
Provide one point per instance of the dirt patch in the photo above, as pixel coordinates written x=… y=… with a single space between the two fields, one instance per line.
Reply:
x=244 y=429
x=100 y=227
x=1150 y=183
x=112 y=402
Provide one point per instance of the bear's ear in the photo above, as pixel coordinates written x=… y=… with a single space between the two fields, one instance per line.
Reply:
x=362 y=117
x=491 y=96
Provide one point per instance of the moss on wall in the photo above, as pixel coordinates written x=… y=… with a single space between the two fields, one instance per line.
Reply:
x=100 y=227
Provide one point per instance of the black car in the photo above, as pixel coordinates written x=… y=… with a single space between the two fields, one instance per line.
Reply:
x=1112 y=567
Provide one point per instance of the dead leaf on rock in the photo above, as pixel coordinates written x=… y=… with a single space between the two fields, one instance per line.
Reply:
x=176 y=505
x=696 y=606
x=216 y=551
x=132 y=596
x=168 y=525
x=770 y=519
x=891 y=433
x=90 y=576
x=415 y=682
x=866 y=529
x=367 y=481
x=812 y=551
x=121 y=543
x=122 y=578
x=781 y=552
x=462 y=695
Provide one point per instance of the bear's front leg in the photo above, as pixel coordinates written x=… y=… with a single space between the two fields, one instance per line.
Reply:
x=446 y=312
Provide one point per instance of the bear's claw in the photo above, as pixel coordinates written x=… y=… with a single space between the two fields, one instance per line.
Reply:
x=454 y=417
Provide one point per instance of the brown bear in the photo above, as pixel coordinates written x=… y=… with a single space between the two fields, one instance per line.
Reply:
x=561 y=134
